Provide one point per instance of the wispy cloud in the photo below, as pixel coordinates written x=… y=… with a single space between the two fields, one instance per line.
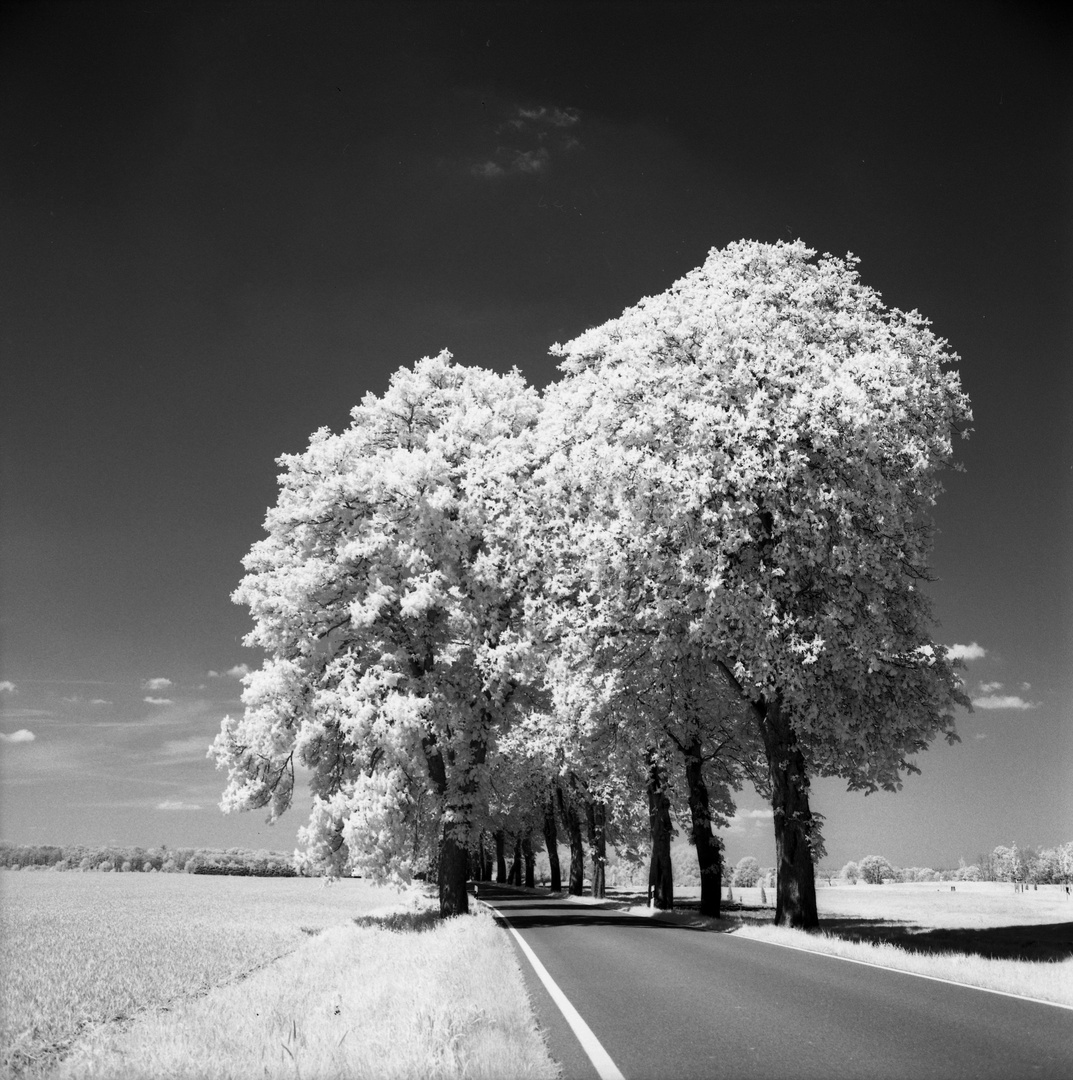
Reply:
x=555 y=117
x=194 y=748
x=532 y=137
x=966 y=652
x=7 y=687
x=990 y=687
x=156 y=684
x=174 y=804
x=158 y=701
x=1003 y=701
x=22 y=735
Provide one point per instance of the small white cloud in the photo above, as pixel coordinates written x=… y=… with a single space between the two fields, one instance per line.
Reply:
x=7 y=686
x=758 y=817
x=487 y=170
x=158 y=701
x=156 y=684
x=990 y=687
x=100 y=701
x=173 y=804
x=966 y=652
x=1026 y=686
x=1005 y=701
x=236 y=672
x=22 y=735
x=980 y=735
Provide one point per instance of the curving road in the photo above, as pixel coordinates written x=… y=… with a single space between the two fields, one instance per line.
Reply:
x=670 y=1002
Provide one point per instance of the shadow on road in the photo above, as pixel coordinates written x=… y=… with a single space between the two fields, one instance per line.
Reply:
x=558 y=915
x=1045 y=941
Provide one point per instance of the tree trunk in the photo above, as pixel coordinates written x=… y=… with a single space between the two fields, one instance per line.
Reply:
x=660 y=871
x=709 y=847
x=501 y=858
x=530 y=862
x=486 y=858
x=795 y=897
x=482 y=860
x=453 y=874
x=515 y=875
x=551 y=842
x=577 y=848
x=453 y=861
x=596 y=816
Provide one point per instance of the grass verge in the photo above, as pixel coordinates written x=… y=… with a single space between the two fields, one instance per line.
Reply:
x=987 y=936
x=1050 y=981
x=377 y=1000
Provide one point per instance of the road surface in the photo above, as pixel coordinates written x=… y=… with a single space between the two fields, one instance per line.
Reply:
x=672 y=1002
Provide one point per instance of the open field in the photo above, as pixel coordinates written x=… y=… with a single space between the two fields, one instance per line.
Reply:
x=100 y=968
x=83 y=949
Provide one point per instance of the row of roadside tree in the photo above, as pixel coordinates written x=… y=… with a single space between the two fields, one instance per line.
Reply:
x=697 y=560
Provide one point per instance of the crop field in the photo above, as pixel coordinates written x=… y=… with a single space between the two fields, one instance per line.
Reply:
x=79 y=950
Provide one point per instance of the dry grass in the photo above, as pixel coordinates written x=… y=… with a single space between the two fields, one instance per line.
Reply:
x=353 y=1002
x=78 y=950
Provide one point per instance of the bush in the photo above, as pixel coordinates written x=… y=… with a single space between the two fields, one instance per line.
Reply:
x=746 y=873
x=850 y=872
x=874 y=869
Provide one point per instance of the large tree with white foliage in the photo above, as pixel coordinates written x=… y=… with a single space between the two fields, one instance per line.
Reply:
x=390 y=625
x=753 y=455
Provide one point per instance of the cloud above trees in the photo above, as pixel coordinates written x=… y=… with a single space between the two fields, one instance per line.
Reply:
x=530 y=137
x=966 y=652
x=236 y=672
x=989 y=699
x=20 y=736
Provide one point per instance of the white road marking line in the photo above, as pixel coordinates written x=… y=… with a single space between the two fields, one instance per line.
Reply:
x=904 y=971
x=592 y=1046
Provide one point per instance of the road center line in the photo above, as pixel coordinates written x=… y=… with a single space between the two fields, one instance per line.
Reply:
x=592 y=1046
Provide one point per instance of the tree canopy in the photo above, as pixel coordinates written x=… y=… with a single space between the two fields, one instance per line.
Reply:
x=709 y=536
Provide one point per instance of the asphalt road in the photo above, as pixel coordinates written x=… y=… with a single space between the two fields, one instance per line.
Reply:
x=671 y=1002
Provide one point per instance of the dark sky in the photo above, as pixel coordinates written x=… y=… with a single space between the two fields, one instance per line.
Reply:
x=222 y=224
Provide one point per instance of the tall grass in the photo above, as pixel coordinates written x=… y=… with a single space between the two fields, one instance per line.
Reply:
x=79 y=950
x=358 y=1001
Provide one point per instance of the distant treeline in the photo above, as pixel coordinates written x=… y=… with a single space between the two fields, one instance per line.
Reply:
x=232 y=861
x=1025 y=866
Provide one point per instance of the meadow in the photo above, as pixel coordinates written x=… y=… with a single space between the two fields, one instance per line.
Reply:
x=184 y=975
